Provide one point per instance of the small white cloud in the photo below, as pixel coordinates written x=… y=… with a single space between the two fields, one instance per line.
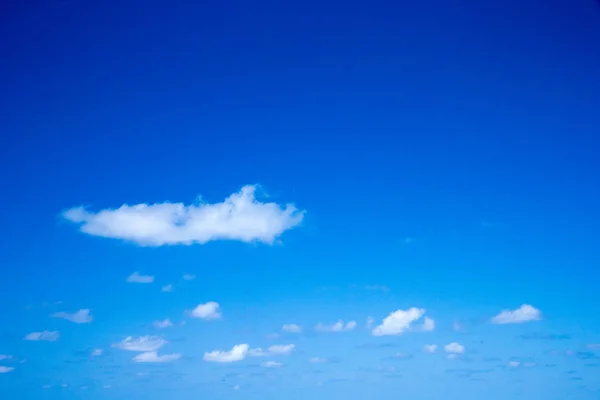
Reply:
x=337 y=327
x=142 y=344
x=317 y=360
x=82 y=316
x=430 y=348
x=137 y=278
x=514 y=364
x=209 y=310
x=240 y=217
x=166 y=323
x=454 y=348
x=97 y=352
x=153 y=357
x=399 y=322
x=49 y=336
x=522 y=314
x=428 y=325
x=189 y=277
x=167 y=288
x=237 y=353
x=291 y=328
x=275 y=350
x=4 y=369
x=271 y=364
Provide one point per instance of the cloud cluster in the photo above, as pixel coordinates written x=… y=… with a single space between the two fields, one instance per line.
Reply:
x=239 y=217
x=522 y=314
x=336 y=327
x=401 y=321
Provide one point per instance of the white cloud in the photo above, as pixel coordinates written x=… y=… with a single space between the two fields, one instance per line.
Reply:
x=209 y=310
x=292 y=328
x=97 y=352
x=137 y=278
x=317 y=360
x=370 y=321
x=522 y=314
x=4 y=369
x=275 y=350
x=514 y=364
x=49 y=336
x=166 y=323
x=82 y=316
x=153 y=357
x=167 y=288
x=271 y=364
x=237 y=353
x=400 y=321
x=239 y=217
x=428 y=325
x=454 y=348
x=189 y=277
x=430 y=348
x=337 y=327
x=142 y=344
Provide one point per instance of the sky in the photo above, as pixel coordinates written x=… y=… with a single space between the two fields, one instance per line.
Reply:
x=312 y=200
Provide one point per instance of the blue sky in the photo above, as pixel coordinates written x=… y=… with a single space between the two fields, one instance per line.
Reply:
x=412 y=189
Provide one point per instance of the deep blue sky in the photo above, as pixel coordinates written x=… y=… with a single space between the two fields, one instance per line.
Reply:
x=448 y=151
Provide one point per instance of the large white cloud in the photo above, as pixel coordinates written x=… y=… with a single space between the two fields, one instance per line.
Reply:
x=336 y=327
x=82 y=316
x=522 y=314
x=400 y=321
x=239 y=217
x=141 y=344
x=153 y=357
x=49 y=336
x=210 y=310
x=237 y=353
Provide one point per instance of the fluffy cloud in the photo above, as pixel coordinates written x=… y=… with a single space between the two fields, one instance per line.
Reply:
x=137 y=278
x=275 y=350
x=454 y=348
x=166 y=323
x=271 y=364
x=237 y=353
x=97 y=352
x=49 y=336
x=239 y=217
x=153 y=357
x=189 y=277
x=522 y=314
x=79 y=317
x=209 y=310
x=337 y=327
x=142 y=344
x=292 y=328
x=400 y=321
x=4 y=369
x=430 y=348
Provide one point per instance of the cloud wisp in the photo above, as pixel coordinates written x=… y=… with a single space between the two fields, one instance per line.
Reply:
x=336 y=327
x=47 y=336
x=136 y=277
x=401 y=321
x=82 y=316
x=239 y=217
x=525 y=313
x=153 y=357
x=142 y=344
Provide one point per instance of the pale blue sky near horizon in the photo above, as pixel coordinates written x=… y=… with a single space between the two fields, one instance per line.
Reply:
x=441 y=159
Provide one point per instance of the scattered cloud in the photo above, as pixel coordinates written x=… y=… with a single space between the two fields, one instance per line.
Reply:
x=82 y=316
x=428 y=325
x=239 y=217
x=4 y=369
x=337 y=327
x=317 y=360
x=142 y=344
x=48 y=336
x=430 y=348
x=97 y=352
x=137 y=278
x=208 y=310
x=291 y=328
x=275 y=350
x=153 y=357
x=522 y=314
x=454 y=348
x=400 y=321
x=189 y=277
x=271 y=364
x=167 y=288
x=237 y=353
x=166 y=323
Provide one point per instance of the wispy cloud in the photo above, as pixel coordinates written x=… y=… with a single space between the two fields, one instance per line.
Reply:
x=153 y=357
x=291 y=328
x=237 y=353
x=4 y=369
x=97 y=352
x=336 y=327
x=48 y=336
x=430 y=348
x=142 y=344
x=137 y=278
x=239 y=217
x=208 y=310
x=544 y=336
x=275 y=350
x=5 y=357
x=271 y=364
x=189 y=277
x=317 y=360
x=82 y=316
x=522 y=314
x=401 y=321
x=378 y=288
x=165 y=323
x=167 y=288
